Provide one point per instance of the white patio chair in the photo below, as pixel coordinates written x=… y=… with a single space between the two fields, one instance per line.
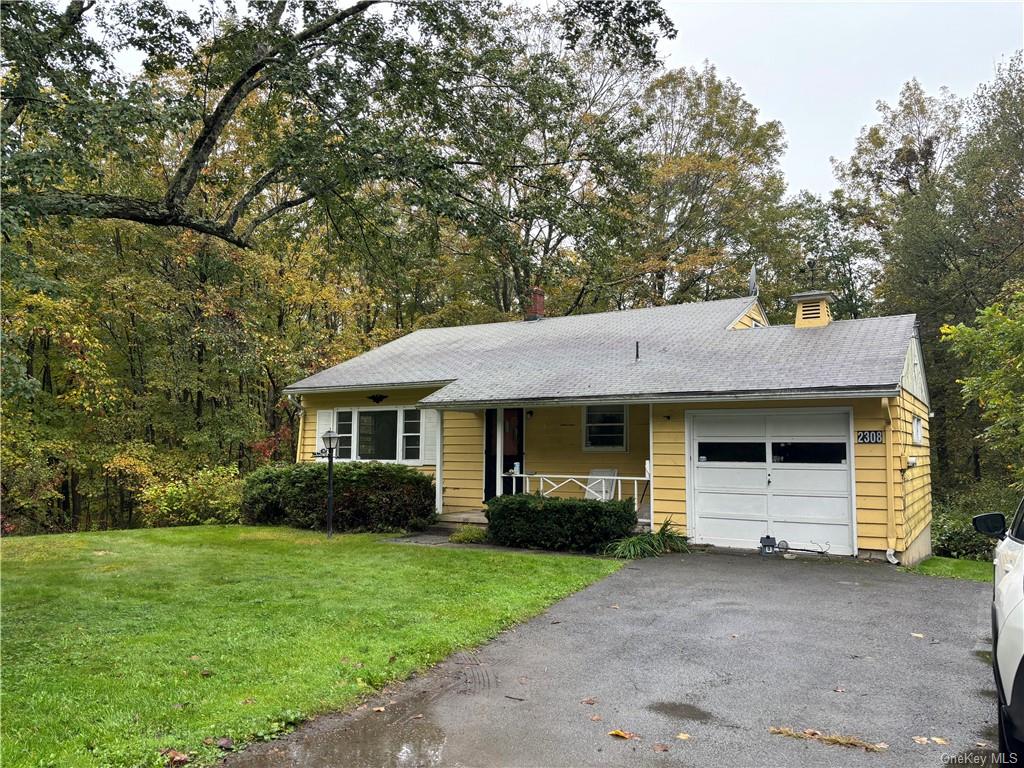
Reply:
x=601 y=484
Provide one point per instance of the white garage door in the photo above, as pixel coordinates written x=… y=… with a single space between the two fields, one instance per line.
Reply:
x=786 y=474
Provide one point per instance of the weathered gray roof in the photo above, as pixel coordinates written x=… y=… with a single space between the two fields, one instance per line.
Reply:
x=686 y=351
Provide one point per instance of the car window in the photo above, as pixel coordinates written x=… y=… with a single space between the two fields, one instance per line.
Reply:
x=1016 y=526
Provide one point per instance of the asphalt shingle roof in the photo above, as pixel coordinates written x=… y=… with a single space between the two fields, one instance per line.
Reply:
x=686 y=350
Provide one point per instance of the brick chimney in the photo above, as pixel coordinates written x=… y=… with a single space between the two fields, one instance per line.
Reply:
x=536 y=308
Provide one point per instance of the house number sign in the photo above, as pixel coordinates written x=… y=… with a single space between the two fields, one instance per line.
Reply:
x=871 y=436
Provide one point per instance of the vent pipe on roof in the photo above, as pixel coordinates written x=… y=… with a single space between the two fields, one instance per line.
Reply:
x=536 y=309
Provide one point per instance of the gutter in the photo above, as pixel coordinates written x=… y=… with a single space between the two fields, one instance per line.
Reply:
x=883 y=391
x=297 y=390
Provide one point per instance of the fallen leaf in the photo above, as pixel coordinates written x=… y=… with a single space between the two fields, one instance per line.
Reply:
x=920 y=739
x=225 y=743
x=588 y=701
x=392 y=703
x=378 y=709
x=556 y=622
x=983 y=744
x=661 y=747
x=248 y=701
x=832 y=738
x=208 y=741
x=683 y=736
x=417 y=717
x=174 y=757
x=939 y=740
x=918 y=635
x=839 y=690
x=615 y=606
x=733 y=636
x=596 y=718
x=619 y=734
x=206 y=673
x=193 y=657
x=391 y=658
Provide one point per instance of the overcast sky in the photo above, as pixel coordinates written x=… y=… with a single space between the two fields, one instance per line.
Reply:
x=820 y=67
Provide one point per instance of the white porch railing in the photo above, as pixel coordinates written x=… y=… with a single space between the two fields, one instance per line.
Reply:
x=605 y=488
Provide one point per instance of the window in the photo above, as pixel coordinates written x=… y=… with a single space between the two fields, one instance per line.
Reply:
x=739 y=452
x=604 y=428
x=1016 y=526
x=378 y=435
x=411 y=435
x=808 y=453
x=344 y=428
x=918 y=427
x=381 y=434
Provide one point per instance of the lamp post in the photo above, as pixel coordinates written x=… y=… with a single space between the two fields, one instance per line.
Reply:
x=331 y=440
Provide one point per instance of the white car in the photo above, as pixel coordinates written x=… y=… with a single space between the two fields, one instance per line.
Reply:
x=1008 y=627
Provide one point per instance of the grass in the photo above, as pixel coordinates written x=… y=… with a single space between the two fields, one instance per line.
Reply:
x=974 y=570
x=119 y=645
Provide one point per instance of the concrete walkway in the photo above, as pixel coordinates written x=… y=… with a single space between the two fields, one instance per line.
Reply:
x=719 y=647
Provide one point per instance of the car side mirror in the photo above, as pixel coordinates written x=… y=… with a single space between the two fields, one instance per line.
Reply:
x=990 y=524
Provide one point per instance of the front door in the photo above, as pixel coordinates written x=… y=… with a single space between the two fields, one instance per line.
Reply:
x=509 y=441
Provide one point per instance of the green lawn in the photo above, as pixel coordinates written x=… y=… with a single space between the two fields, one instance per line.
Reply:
x=975 y=570
x=117 y=645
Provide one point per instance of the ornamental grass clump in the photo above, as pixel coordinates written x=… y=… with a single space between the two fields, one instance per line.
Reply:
x=648 y=544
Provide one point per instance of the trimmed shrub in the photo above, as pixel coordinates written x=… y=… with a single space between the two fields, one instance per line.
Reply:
x=469 y=534
x=543 y=522
x=210 y=496
x=368 y=496
x=261 y=495
x=953 y=534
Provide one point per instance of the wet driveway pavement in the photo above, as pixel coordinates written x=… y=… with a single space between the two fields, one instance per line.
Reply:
x=719 y=647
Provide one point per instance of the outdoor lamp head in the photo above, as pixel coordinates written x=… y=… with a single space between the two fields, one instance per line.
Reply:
x=331 y=440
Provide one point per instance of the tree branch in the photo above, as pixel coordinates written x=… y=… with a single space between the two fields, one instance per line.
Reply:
x=185 y=178
x=268 y=215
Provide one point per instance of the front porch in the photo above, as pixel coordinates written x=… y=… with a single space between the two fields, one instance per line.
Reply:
x=599 y=452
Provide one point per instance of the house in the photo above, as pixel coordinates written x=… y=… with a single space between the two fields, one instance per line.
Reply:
x=704 y=414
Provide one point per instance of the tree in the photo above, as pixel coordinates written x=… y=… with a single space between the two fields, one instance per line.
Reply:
x=320 y=73
x=712 y=204
x=993 y=349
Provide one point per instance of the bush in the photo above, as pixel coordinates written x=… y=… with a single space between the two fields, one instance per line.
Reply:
x=210 y=496
x=953 y=535
x=469 y=534
x=649 y=544
x=574 y=525
x=368 y=496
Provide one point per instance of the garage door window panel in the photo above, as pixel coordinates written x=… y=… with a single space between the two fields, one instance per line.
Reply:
x=732 y=452
x=808 y=453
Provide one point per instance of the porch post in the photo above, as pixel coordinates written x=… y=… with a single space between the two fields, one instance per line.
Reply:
x=499 y=451
x=439 y=465
x=650 y=460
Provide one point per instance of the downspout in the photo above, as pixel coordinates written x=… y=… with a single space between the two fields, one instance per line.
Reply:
x=650 y=460
x=890 y=486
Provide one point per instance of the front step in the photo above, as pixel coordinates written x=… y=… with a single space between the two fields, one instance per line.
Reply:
x=452 y=521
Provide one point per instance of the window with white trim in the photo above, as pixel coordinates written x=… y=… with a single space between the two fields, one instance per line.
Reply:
x=411 y=434
x=604 y=428
x=343 y=427
x=918 y=429
x=380 y=434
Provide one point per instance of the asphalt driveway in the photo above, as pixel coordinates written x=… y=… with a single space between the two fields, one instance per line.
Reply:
x=720 y=647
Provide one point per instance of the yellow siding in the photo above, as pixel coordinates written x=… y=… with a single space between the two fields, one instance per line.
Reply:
x=754 y=313
x=669 y=461
x=463 y=461
x=916 y=491
x=554 y=445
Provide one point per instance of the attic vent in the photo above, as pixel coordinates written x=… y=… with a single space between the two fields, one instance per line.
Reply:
x=810 y=311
